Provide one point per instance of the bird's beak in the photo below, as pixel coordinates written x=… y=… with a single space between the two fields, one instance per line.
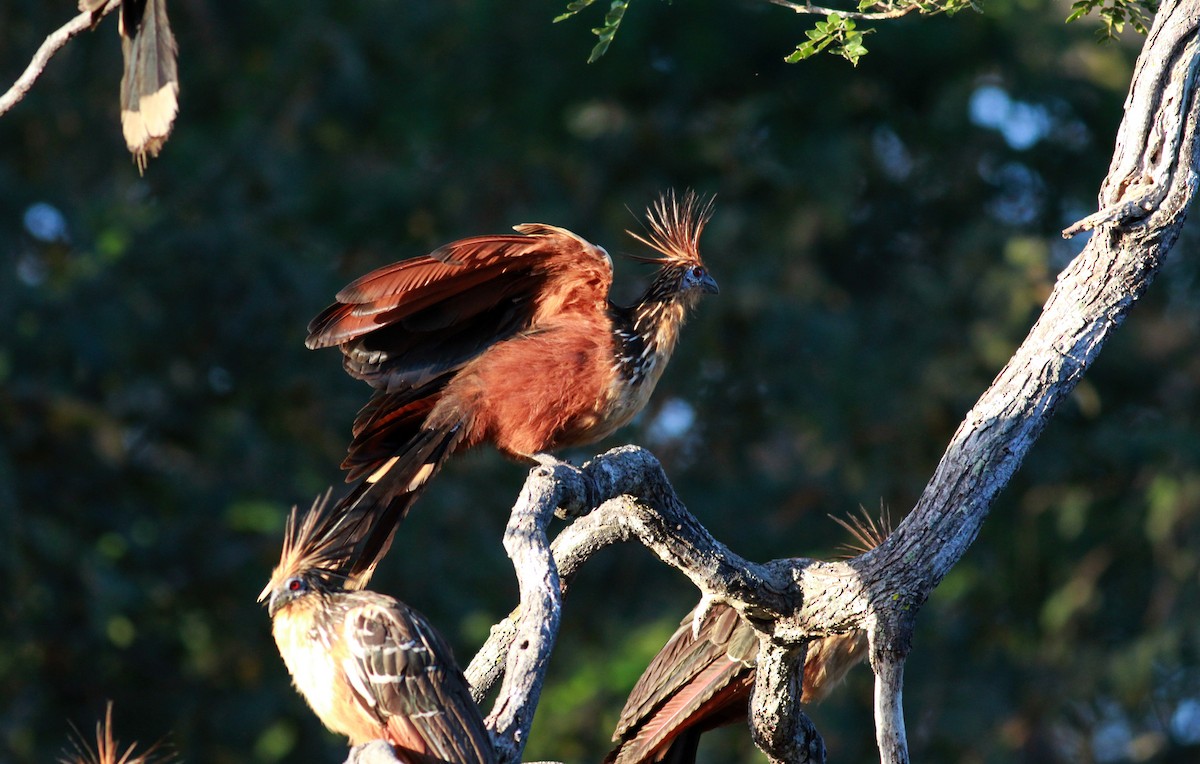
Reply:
x=269 y=595
x=709 y=285
x=273 y=603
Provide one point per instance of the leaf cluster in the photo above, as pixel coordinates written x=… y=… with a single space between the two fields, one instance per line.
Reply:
x=1115 y=14
x=836 y=32
x=839 y=35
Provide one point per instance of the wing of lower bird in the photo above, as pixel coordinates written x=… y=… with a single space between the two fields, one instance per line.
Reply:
x=689 y=683
x=404 y=672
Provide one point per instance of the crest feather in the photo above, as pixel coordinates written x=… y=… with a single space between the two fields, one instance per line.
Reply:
x=108 y=749
x=868 y=532
x=320 y=543
x=674 y=226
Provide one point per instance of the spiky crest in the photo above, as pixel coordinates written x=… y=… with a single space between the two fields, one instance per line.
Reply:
x=318 y=546
x=108 y=748
x=868 y=532
x=674 y=226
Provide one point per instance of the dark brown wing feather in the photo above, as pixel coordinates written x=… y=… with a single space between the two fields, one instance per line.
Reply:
x=384 y=427
x=407 y=328
x=692 y=683
x=416 y=321
x=386 y=499
x=403 y=671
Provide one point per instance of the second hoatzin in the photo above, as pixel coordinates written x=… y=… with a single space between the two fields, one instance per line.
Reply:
x=509 y=340
x=370 y=666
x=702 y=679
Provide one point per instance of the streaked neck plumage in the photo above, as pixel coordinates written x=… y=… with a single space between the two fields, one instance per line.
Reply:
x=645 y=332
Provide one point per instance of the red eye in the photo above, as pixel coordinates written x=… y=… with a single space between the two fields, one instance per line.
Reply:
x=698 y=272
x=295 y=585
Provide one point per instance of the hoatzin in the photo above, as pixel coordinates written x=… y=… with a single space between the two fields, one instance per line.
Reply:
x=702 y=678
x=369 y=666
x=507 y=339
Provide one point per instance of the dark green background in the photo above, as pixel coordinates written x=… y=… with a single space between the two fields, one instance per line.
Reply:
x=880 y=255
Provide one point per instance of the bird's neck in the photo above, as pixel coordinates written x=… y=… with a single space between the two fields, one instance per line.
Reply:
x=646 y=331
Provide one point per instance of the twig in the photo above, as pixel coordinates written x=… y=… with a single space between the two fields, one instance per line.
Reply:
x=49 y=47
x=818 y=10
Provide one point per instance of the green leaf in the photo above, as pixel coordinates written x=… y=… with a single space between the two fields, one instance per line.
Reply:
x=573 y=7
x=612 y=21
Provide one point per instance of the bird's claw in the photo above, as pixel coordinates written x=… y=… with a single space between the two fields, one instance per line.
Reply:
x=707 y=603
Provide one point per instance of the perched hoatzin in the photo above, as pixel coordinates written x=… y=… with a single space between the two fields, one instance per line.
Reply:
x=107 y=749
x=702 y=678
x=369 y=666
x=150 y=83
x=507 y=339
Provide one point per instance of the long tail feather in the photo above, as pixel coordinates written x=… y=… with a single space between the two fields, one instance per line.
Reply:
x=384 y=498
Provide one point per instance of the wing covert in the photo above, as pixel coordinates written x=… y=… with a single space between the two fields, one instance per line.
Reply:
x=416 y=320
x=405 y=673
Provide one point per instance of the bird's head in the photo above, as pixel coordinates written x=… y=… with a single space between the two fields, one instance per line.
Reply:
x=316 y=551
x=280 y=593
x=673 y=228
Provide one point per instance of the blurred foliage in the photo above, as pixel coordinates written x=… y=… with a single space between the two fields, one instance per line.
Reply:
x=884 y=237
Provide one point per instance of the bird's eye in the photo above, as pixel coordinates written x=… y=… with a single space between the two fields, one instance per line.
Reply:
x=698 y=272
x=295 y=585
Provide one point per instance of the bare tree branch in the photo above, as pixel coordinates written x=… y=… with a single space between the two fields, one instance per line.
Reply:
x=637 y=501
x=51 y=45
x=889 y=704
x=526 y=542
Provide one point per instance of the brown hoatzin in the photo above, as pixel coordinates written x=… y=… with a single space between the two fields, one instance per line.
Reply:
x=507 y=339
x=703 y=676
x=369 y=666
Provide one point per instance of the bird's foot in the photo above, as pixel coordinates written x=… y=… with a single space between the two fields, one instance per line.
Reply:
x=545 y=460
x=707 y=603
